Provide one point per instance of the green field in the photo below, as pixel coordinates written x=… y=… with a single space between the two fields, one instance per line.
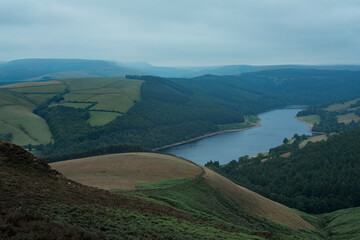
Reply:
x=25 y=126
x=72 y=104
x=311 y=119
x=49 y=89
x=113 y=96
x=17 y=119
x=250 y=121
x=100 y=118
x=167 y=183
x=109 y=94
x=37 y=98
x=342 y=224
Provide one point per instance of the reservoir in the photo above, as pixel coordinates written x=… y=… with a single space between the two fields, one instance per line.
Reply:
x=224 y=147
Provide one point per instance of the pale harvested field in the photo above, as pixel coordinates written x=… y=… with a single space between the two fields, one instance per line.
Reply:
x=341 y=106
x=317 y=138
x=126 y=170
x=348 y=118
x=255 y=203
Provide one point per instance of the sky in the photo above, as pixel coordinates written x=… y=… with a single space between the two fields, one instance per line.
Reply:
x=183 y=32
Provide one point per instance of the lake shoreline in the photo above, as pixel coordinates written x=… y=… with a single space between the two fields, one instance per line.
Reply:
x=207 y=135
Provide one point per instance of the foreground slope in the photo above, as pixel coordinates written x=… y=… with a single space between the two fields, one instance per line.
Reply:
x=37 y=202
x=125 y=171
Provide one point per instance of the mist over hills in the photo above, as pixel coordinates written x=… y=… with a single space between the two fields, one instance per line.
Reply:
x=36 y=69
x=45 y=69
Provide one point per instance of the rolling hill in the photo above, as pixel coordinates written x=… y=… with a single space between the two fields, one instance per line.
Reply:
x=126 y=171
x=36 y=201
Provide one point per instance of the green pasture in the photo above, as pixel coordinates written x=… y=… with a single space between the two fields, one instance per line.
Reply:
x=52 y=88
x=39 y=98
x=250 y=121
x=167 y=183
x=100 y=118
x=75 y=84
x=25 y=126
x=311 y=119
x=72 y=104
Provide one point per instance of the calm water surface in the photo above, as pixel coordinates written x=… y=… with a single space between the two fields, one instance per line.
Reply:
x=275 y=126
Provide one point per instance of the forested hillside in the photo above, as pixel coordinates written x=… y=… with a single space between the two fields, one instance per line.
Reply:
x=321 y=177
x=152 y=112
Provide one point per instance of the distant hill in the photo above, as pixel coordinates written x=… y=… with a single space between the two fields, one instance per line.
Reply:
x=221 y=70
x=45 y=69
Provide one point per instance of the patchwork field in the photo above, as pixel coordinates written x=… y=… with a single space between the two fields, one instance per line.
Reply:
x=105 y=98
x=113 y=96
x=127 y=170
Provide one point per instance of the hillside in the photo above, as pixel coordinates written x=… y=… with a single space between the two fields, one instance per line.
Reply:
x=152 y=112
x=47 y=68
x=38 y=202
x=126 y=171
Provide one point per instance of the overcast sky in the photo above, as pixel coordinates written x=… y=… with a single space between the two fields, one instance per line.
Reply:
x=183 y=32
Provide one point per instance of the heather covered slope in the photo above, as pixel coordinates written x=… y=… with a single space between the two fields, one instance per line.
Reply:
x=37 y=201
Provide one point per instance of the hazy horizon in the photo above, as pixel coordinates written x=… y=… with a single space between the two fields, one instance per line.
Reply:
x=185 y=33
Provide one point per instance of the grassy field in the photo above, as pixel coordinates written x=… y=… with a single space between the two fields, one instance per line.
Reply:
x=99 y=118
x=48 y=89
x=341 y=106
x=38 y=99
x=113 y=96
x=347 y=118
x=127 y=170
x=17 y=119
x=72 y=104
x=311 y=119
x=250 y=121
x=110 y=94
x=342 y=224
x=167 y=183
x=25 y=126
x=317 y=138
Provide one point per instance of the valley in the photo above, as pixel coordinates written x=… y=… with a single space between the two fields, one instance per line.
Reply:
x=105 y=182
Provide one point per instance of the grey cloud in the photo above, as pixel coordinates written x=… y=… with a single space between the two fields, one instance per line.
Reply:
x=183 y=32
